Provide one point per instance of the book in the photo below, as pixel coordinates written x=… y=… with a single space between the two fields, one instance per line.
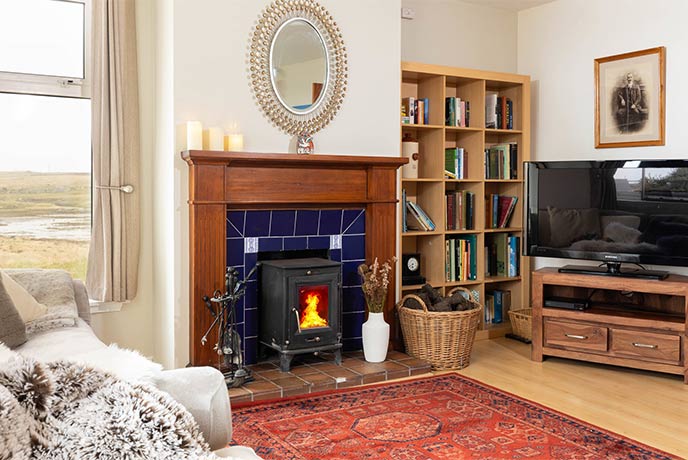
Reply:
x=449 y=111
x=426 y=111
x=505 y=205
x=491 y=109
x=514 y=244
x=408 y=105
x=468 y=114
x=420 y=111
x=404 y=225
x=425 y=219
x=413 y=220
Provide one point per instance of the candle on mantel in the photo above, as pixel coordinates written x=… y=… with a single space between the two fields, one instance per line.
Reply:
x=234 y=142
x=212 y=139
x=194 y=135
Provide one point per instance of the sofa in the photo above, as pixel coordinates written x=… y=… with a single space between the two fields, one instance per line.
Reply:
x=201 y=390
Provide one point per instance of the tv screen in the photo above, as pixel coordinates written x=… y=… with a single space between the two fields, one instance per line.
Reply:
x=611 y=211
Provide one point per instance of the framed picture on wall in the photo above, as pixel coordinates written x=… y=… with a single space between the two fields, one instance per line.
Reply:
x=630 y=99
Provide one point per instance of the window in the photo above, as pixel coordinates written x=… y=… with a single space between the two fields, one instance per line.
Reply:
x=45 y=153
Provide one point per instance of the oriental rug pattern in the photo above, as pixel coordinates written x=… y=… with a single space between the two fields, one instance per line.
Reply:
x=447 y=417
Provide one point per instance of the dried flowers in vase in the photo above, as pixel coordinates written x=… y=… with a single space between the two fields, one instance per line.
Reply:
x=375 y=281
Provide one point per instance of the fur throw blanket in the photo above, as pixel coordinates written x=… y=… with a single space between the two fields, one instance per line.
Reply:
x=65 y=410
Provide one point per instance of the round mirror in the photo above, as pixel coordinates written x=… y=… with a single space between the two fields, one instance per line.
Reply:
x=298 y=66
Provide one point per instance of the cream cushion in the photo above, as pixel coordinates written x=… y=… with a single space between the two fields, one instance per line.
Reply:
x=29 y=309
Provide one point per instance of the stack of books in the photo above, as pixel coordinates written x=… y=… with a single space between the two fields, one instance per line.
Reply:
x=497 y=306
x=415 y=111
x=456 y=112
x=455 y=163
x=415 y=218
x=499 y=111
x=501 y=161
x=460 y=206
x=502 y=255
x=461 y=258
x=499 y=210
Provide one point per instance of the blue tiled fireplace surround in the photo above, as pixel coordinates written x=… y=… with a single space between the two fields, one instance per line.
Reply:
x=342 y=231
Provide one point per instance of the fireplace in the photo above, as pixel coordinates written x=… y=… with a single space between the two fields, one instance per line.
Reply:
x=300 y=308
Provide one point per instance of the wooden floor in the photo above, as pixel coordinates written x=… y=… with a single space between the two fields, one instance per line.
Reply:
x=649 y=407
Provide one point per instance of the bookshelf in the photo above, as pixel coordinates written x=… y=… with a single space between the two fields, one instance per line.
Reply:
x=436 y=83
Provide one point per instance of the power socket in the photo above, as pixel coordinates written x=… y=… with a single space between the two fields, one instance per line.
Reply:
x=408 y=13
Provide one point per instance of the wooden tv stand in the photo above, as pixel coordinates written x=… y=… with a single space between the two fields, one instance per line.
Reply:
x=631 y=322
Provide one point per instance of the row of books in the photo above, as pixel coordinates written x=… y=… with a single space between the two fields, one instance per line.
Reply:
x=499 y=210
x=455 y=163
x=415 y=218
x=457 y=112
x=502 y=255
x=415 y=111
x=501 y=161
x=461 y=258
x=497 y=306
x=460 y=209
x=499 y=111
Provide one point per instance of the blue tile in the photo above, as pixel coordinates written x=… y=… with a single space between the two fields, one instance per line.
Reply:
x=330 y=222
x=251 y=351
x=282 y=223
x=251 y=297
x=251 y=322
x=240 y=330
x=235 y=252
x=353 y=247
x=239 y=313
x=336 y=255
x=306 y=222
x=318 y=242
x=235 y=223
x=257 y=223
x=250 y=262
x=270 y=244
x=353 y=221
x=351 y=324
x=350 y=276
x=295 y=244
x=352 y=299
x=352 y=344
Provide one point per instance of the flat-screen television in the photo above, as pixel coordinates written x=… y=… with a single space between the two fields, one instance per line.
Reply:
x=609 y=211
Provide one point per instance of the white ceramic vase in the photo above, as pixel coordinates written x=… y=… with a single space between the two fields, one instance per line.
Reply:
x=375 y=338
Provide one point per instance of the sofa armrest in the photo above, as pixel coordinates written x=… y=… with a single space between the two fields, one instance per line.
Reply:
x=203 y=392
x=83 y=305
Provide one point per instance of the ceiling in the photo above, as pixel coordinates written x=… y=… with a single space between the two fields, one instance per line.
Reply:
x=513 y=5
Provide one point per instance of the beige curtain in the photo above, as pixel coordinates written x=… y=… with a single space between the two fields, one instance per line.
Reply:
x=114 y=251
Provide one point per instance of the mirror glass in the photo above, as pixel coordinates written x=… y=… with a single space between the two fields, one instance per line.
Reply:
x=298 y=66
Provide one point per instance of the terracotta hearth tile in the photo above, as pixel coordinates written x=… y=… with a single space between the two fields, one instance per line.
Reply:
x=393 y=366
x=396 y=355
x=350 y=382
x=236 y=399
x=351 y=362
x=363 y=367
x=275 y=374
x=318 y=379
x=303 y=369
x=349 y=375
x=260 y=386
x=290 y=382
x=267 y=395
x=373 y=378
x=323 y=387
x=391 y=375
x=261 y=367
x=354 y=354
x=324 y=367
x=238 y=392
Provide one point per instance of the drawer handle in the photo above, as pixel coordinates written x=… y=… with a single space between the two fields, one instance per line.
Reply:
x=577 y=337
x=644 y=345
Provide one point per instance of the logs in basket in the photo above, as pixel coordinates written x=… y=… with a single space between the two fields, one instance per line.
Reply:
x=444 y=339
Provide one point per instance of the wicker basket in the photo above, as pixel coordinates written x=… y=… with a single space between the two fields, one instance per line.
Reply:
x=522 y=322
x=444 y=339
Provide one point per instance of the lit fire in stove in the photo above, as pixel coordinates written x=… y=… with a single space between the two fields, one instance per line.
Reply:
x=311 y=309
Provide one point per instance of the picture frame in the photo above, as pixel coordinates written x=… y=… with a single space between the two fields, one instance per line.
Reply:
x=630 y=99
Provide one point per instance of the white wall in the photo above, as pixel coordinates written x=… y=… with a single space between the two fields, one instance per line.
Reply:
x=458 y=34
x=557 y=45
x=211 y=84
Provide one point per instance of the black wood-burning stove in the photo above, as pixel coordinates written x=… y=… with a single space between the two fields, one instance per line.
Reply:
x=300 y=309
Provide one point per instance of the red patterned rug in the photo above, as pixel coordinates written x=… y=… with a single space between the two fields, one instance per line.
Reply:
x=447 y=417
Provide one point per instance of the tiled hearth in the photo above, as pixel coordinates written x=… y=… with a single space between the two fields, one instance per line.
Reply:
x=311 y=374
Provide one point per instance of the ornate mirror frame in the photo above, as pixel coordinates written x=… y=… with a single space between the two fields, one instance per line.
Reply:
x=269 y=23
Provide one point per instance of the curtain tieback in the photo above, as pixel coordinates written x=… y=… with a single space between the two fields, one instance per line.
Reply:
x=121 y=188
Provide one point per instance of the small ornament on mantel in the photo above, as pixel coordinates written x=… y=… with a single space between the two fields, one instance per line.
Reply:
x=304 y=143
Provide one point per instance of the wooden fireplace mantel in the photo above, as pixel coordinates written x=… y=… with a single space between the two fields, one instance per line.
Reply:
x=237 y=180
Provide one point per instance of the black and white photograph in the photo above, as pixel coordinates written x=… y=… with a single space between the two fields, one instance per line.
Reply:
x=629 y=99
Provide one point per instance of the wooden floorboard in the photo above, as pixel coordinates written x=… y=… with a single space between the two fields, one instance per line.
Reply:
x=646 y=406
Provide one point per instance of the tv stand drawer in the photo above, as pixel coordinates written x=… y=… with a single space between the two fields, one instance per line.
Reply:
x=649 y=346
x=575 y=335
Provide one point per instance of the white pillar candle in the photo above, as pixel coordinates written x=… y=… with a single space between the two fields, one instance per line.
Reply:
x=234 y=142
x=213 y=139
x=194 y=135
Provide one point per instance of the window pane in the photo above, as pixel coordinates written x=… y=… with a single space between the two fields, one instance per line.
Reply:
x=44 y=37
x=45 y=182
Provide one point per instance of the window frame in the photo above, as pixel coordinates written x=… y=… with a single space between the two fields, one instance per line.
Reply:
x=51 y=85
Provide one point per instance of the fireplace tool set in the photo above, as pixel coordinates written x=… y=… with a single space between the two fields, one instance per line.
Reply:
x=228 y=344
